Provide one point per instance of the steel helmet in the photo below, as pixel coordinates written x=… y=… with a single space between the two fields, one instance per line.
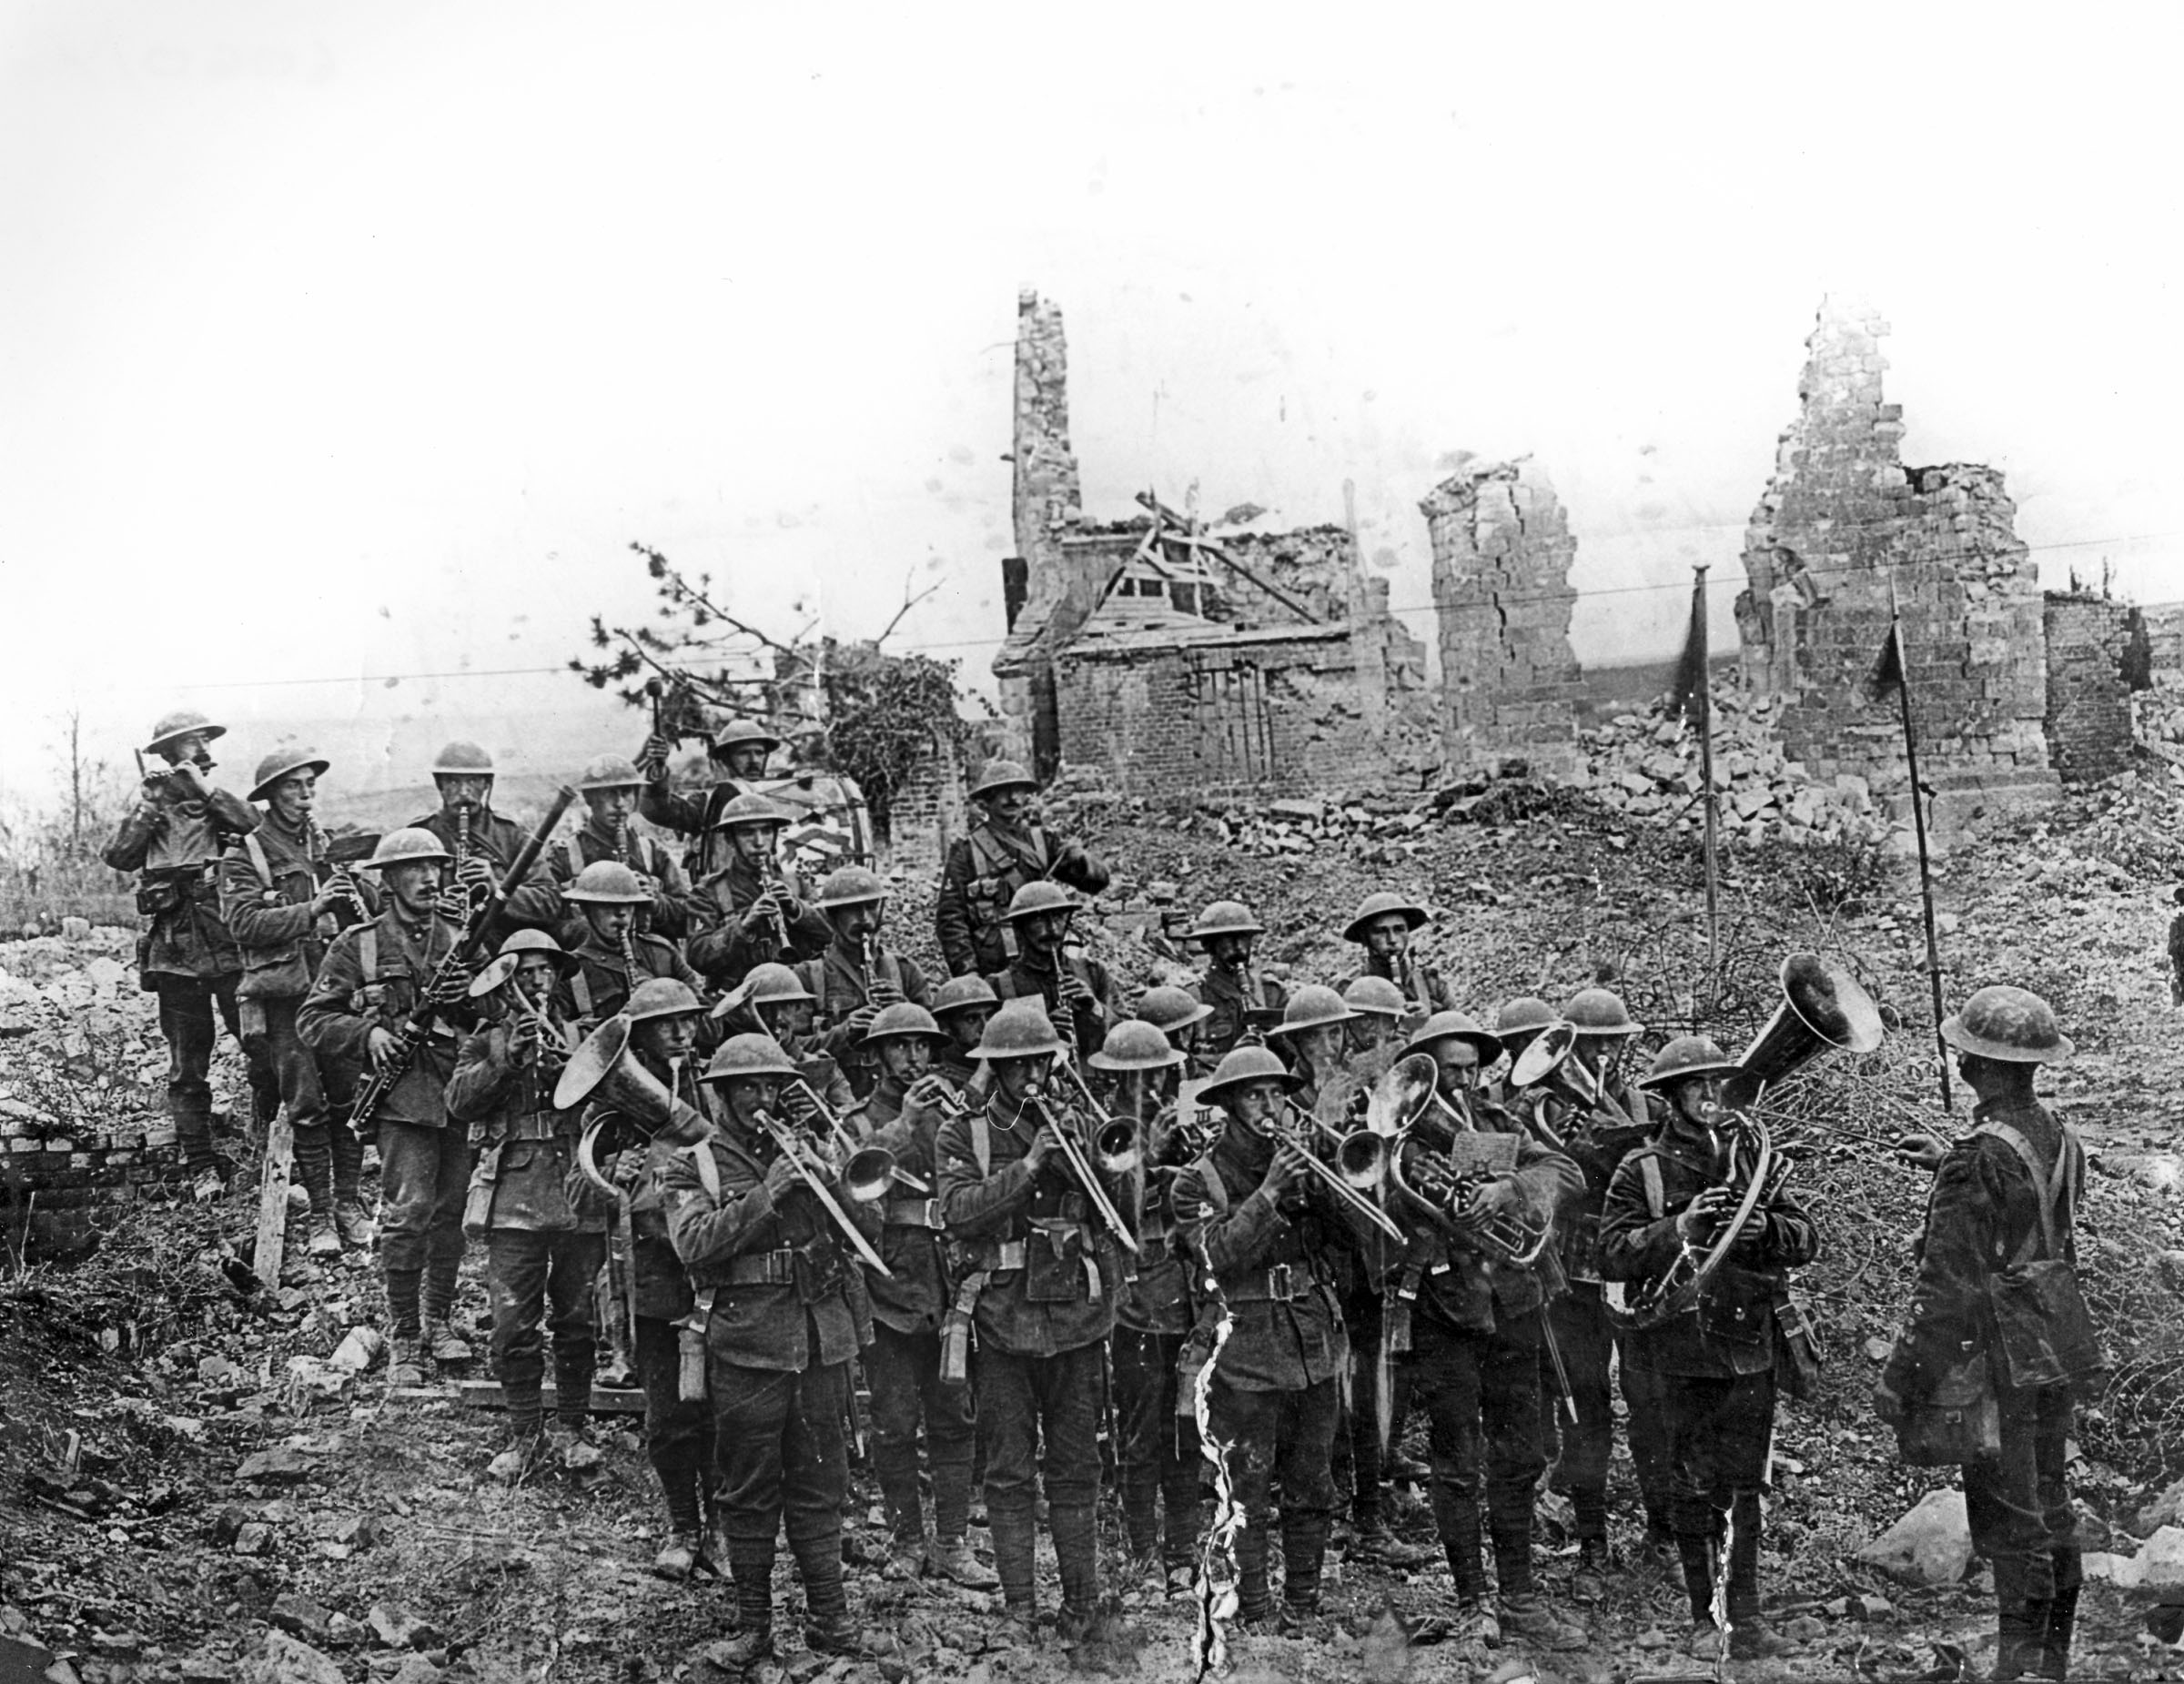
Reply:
x=1136 y=1045
x=850 y=885
x=902 y=1019
x=748 y=1055
x=2013 y=1025
x=1020 y=1029
x=609 y=772
x=406 y=847
x=661 y=996
x=1378 y=905
x=1687 y=1056
x=735 y=733
x=998 y=775
x=180 y=723
x=1600 y=1011
x=606 y=882
x=770 y=984
x=463 y=760
x=1169 y=1009
x=535 y=942
x=1524 y=1013
x=1375 y=994
x=1310 y=1007
x=1039 y=896
x=749 y=809
x=1225 y=918
x=1242 y=1064
x=1454 y=1025
x=961 y=992
x=283 y=764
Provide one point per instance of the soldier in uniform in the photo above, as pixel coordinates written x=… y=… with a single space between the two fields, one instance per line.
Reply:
x=856 y=975
x=1180 y=1015
x=902 y=1117
x=1156 y=1453
x=373 y=977
x=482 y=845
x=1376 y=1025
x=985 y=871
x=1313 y=1036
x=283 y=913
x=2005 y=1200
x=1597 y=1139
x=610 y=786
x=174 y=837
x=1045 y=1276
x=1382 y=925
x=753 y=909
x=1273 y=1239
x=1243 y=1000
x=663 y=1016
x=783 y=1307
x=611 y=956
x=1517 y=1024
x=1075 y=988
x=962 y=1006
x=543 y=1225
x=1716 y=1362
x=739 y=751
x=1470 y=1319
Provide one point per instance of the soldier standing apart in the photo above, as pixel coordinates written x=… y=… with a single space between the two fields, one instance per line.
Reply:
x=962 y=1005
x=2000 y=1215
x=752 y=910
x=1249 y=1213
x=1597 y=1139
x=283 y=917
x=610 y=786
x=612 y=958
x=738 y=753
x=678 y=1429
x=1474 y=1321
x=1005 y=850
x=902 y=1116
x=1157 y=1448
x=481 y=844
x=174 y=836
x=1075 y=988
x=1716 y=1362
x=855 y=976
x=1046 y=1277
x=1382 y=925
x=543 y=1225
x=373 y=977
x=1243 y=1001
x=783 y=1309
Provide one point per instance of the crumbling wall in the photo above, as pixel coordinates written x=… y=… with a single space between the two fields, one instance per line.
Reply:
x=2088 y=719
x=1313 y=567
x=2165 y=637
x=1842 y=530
x=929 y=812
x=1502 y=554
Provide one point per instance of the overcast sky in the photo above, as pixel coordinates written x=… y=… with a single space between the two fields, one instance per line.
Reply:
x=340 y=343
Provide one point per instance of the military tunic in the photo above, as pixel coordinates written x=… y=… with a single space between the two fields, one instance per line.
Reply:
x=674 y=909
x=982 y=874
x=1234 y=998
x=719 y=946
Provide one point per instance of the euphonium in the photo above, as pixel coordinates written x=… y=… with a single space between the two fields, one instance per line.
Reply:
x=1407 y=1115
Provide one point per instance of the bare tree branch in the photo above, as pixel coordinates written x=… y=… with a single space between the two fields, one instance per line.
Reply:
x=910 y=601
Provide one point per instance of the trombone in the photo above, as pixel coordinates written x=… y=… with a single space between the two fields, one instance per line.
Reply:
x=815 y=1174
x=1301 y=1127
x=1114 y=1142
x=1080 y=1166
x=868 y=1171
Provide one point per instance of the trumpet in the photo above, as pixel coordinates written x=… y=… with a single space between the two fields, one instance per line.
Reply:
x=1080 y=1167
x=815 y=1176
x=1302 y=1130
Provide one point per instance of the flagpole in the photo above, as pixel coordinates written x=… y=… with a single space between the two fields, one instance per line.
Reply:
x=1713 y=845
x=1919 y=828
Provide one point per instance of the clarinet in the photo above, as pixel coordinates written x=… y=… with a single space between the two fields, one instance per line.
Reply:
x=771 y=873
x=340 y=878
x=462 y=837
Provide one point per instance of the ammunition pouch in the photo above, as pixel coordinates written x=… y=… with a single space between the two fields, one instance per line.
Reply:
x=478 y=1202
x=156 y=897
x=911 y=1213
x=1735 y=1308
x=1060 y=1264
x=764 y=1269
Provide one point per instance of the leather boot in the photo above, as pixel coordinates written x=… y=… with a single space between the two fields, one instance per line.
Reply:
x=753 y=1575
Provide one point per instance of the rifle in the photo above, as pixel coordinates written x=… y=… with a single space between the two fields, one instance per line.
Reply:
x=426 y=1011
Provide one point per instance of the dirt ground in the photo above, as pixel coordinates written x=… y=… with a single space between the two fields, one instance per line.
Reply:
x=135 y=1542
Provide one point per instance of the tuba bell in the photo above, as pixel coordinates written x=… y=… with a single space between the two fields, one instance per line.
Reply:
x=638 y=1110
x=1823 y=1010
x=1547 y=1063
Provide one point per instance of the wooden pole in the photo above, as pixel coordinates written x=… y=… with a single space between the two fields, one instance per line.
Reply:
x=1918 y=829
x=273 y=1202
x=1713 y=847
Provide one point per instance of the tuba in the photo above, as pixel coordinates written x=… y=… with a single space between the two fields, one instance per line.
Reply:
x=641 y=1110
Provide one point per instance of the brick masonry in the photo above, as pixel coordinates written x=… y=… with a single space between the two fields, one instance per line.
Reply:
x=2089 y=718
x=57 y=1195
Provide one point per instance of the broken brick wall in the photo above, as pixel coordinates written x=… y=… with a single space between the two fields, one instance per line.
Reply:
x=1841 y=523
x=2088 y=719
x=1501 y=555
x=931 y=809
x=58 y=1196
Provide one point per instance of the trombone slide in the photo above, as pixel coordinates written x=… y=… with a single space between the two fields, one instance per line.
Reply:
x=786 y=1143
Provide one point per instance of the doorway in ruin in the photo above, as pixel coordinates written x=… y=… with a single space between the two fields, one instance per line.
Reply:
x=1234 y=729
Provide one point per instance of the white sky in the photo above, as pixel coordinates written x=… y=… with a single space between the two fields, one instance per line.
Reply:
x=341 y=341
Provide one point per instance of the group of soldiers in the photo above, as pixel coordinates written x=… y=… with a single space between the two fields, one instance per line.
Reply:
x=1034 y=1212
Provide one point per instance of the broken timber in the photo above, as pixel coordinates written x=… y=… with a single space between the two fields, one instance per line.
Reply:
x=605 y=1399
x=273 y=1201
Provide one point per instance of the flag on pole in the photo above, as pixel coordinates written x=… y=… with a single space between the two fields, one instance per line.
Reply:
x=1687 y=695
x=1886 y=682
x=1691 y=695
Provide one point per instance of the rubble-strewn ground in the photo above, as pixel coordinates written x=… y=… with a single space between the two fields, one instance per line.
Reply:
x=144 y=1531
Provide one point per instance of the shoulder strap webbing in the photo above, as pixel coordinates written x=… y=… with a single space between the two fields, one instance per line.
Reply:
x=709 y=1171
x=368 y=951
x=2050 y=1188
x=1217 y=1190
x=1656 y=1195
x=982 y=1142
x=256 y=851
x=580 y=990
